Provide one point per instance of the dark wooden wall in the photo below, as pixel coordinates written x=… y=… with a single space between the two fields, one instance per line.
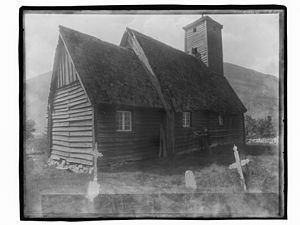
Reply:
x=117 y=146
x=230 y=132
x=214 y=47
x=184 y=137
x=143 y=141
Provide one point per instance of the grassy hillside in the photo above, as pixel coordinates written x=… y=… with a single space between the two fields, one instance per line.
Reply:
x=258 y=92
x=37 y=91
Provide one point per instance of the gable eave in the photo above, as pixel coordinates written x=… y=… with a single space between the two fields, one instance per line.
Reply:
x=90 y=97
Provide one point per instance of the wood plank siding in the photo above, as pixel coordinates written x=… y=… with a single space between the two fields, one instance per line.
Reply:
x=143 y=141
x=184 y=137
x=215 y=48
x=72 y=129
x=66 y=71
x=197 y=39
x=118 y=146
x=71 y=116
x=230 y=132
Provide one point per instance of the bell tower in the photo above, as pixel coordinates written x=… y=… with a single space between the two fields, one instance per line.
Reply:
x=203 y=39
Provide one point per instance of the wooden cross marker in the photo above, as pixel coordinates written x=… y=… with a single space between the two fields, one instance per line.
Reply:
x=96 y=155
x=94 y=187
x=238 y=165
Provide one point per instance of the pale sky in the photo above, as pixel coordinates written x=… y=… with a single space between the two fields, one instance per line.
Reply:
x=249 y=40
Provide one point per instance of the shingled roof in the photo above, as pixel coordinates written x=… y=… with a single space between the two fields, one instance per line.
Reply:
x=113 y=74
x=110 y=73
x=186 y=83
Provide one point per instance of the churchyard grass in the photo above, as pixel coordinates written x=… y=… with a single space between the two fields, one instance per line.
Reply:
x=211 y=170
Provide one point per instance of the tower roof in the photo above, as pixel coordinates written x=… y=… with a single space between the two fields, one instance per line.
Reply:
x=201 y=20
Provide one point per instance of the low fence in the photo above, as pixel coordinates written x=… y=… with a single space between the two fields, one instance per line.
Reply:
x=263 y=140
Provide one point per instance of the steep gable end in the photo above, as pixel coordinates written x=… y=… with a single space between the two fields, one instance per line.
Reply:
x=111 y=74
x=70 y=113
x=66 y=70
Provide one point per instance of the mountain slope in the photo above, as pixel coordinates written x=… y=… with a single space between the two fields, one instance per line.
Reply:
x=37 y=91
x=258 y=92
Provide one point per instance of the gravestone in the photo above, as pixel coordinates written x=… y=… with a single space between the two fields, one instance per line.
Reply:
x=190 y=181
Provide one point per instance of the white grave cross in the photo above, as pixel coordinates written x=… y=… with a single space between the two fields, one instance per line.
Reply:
x=94 y=187
x=96 y=155
x=238 y=165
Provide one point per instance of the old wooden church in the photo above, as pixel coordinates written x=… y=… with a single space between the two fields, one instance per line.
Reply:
x=142 y=99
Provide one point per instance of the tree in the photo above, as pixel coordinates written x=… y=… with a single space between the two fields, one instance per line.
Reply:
x=250 y=126
x=29 y=129
x=259 y=128
x=265 y=127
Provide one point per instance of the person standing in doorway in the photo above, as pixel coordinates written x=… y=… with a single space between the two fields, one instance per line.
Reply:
x=206 y=141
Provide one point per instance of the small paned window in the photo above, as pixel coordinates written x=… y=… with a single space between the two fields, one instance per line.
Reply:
x=221 y=120
x=186 y=119
x=124 y=122
x=194 y=29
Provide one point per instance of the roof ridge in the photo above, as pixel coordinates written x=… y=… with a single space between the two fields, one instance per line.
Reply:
x=151 y=38
x=61 y=28
x=181 y=52
x=92 y=38
x=160 y=42
x=195 y=85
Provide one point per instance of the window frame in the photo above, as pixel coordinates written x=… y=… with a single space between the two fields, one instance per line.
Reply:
x=123 y=121
x=184 y=119
x=194 y=51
